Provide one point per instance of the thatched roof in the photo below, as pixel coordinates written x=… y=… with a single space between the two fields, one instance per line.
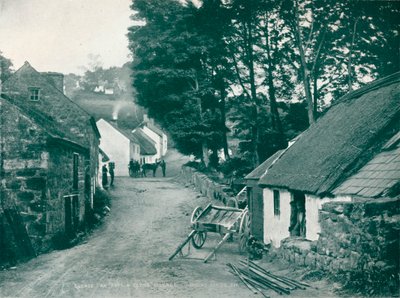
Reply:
x=147 y=145
x=349 y=135
x=262 y=168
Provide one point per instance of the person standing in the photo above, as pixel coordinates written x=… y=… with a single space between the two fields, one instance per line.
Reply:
x=104 y=178
x=111 y=165
x=131 y=167
x=163 y=167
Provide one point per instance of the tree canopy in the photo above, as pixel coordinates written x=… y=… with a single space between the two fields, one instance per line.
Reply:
x=255 y=71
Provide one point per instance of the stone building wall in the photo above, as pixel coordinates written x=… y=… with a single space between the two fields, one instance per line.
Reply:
x=35 y=176
x=354 y=235
x=60 y=184
x=24 y=174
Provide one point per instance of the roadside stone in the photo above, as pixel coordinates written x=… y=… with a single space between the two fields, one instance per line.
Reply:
x=13 y=184
x=36 y=183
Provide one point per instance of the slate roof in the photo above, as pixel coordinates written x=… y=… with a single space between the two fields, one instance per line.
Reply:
x=52 y=104
x=55 y=132
x=376 y=178
x=342 y=141
x=147 y=145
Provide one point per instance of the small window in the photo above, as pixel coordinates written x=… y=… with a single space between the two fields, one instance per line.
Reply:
x=34 y=93
x=277 y=203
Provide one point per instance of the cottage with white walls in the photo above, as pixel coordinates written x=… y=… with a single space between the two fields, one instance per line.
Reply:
x=351 y=153
x=156 y=134
x=120 y=146
x=148 y=152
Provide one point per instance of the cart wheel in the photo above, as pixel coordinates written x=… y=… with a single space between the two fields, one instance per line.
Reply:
x=244 y=231
x=198 y=239
x=197 y=211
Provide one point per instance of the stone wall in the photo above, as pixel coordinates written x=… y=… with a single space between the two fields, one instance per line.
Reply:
x=35 y=177
x=205 y=185
x=354 y=235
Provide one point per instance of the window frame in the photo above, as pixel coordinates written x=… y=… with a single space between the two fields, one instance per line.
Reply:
x=277 y=202
x=34 y=93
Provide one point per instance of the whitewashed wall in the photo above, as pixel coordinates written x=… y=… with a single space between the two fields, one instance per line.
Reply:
x=116 y=146
x=276 y=228
x=313 y=205
x=156 y=138
x=164 y=144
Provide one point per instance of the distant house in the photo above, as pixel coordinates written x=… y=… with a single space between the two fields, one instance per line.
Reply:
x=351 y=153
x=49 y=149
x=148 y=151
x=119 y=145
x=157 y=135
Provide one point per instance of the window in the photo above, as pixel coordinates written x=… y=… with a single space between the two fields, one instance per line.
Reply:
x=277 y=203
x=34 y=93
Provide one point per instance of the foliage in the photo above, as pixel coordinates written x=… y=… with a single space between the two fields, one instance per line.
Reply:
x=255 y=70
x=376 y=281
x=5 y=68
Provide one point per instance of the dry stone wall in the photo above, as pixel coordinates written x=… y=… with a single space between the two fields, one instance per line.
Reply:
x=360 y=235
x=205 y=185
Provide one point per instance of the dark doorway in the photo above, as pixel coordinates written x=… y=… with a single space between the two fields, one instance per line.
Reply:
x=297 y=226
x=68 y=216
x=71 y=215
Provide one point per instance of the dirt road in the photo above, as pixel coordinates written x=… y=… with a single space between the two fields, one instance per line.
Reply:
x=128 y=255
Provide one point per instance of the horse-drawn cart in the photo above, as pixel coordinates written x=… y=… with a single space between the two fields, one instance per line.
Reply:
x=226 y=221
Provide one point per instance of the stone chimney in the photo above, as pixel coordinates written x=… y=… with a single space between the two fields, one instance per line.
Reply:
x=147 y=120
x=56 y=79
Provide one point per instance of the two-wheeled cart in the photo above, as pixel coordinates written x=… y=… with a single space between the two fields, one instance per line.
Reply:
x=226 y=221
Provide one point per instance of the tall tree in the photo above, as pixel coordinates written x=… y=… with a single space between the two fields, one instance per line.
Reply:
x=5 y=67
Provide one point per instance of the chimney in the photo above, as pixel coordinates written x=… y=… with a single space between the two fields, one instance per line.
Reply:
x=145 y=118
x=56 y=79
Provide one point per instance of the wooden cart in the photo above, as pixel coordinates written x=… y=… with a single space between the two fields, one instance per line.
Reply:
x=226 y=221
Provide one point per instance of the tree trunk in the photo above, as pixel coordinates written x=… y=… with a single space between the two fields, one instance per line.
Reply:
x=253 y=92
x=306 y=78
x=223 y=123
x=276 y=121
x=349 y=62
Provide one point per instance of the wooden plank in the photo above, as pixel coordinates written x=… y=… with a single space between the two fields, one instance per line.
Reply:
x=227 y=208
x=190 y=236
x=227 y=235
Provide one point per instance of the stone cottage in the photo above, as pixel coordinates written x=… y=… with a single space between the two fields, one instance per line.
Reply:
x=49 y=158
x=352 y=153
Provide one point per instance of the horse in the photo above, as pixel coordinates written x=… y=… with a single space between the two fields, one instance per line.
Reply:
x=150 y=166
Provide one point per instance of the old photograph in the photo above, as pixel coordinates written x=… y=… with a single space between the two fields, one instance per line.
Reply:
x=199 y=148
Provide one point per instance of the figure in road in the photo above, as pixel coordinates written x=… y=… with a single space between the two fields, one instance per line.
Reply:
x=111 y=165
x=104 y=178
x=163 y=167
x=131 y=167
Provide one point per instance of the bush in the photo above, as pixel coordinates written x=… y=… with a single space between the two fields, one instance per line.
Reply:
x=375 y=281
x=100 y=200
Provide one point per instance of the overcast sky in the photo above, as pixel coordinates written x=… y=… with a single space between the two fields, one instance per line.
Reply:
x=58 y=35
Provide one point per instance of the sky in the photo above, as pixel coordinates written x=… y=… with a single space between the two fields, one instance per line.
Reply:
x=63 y=35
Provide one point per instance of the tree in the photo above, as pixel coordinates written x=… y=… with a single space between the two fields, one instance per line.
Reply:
x=5 y=67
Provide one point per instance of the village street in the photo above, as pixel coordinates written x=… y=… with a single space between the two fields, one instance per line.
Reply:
x=128 y=255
